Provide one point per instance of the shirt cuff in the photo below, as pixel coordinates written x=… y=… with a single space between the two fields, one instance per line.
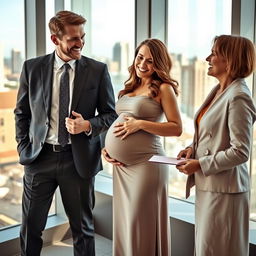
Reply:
x=89 y=132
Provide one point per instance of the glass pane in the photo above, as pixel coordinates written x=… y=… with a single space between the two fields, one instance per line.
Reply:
x=110 y=38
x=49 y=12
x=189 y=42
x=253 y=177
x=11 y=58
x=252 y=79
x=12 y=55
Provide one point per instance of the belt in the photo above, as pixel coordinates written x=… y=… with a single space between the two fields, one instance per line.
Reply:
x=57 y=148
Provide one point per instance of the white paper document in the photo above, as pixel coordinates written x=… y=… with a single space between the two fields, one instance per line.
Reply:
x=166 y=160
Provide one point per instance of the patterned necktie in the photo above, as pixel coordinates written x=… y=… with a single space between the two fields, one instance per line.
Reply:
x=63 y=105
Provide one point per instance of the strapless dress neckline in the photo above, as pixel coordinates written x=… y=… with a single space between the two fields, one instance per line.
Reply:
x=142 y=96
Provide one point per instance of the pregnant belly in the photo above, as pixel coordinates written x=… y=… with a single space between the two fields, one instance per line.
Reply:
x=136 y=148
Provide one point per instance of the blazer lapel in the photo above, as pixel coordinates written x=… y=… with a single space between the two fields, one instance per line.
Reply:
x=205 y=103
x=81 y=74
x=47 y=80
x=210 y=97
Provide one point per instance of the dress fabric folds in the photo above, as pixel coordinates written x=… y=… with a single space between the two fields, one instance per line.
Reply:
x=140 y=202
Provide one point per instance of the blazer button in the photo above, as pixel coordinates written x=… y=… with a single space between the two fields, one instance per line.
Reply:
x=206 y=152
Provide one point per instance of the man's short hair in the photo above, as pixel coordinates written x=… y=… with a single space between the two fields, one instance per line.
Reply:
x=61 y=19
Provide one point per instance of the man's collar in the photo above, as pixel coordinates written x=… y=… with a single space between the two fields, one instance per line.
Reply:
x=59 y=62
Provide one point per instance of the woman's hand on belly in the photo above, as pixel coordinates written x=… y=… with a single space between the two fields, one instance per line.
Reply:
x=109 y=159
x=131 y=125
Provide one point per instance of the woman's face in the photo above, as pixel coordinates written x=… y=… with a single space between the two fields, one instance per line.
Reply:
x=217 y=64
x=143 y=63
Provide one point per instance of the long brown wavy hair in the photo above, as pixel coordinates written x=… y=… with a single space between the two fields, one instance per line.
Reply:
x=162 y=65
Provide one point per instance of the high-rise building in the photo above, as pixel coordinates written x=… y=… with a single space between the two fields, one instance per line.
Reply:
x=1 y=66
x=176 y=72
x=16 y=61
x=200 y=86
x=186 y=85
x=121 y=56
x=195 y=84
x=8 y=152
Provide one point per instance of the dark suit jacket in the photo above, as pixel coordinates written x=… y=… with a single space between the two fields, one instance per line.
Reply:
x=92 y=97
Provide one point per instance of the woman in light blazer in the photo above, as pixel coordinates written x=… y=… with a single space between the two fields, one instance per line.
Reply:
x=220 y=150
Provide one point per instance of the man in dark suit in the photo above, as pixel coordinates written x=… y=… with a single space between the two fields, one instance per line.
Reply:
x=65 y=101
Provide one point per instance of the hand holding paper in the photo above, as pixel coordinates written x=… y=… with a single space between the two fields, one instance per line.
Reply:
x=167 y=160
x=189 y=167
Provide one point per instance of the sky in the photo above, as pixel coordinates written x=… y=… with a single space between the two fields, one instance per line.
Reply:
x=112 y=21
x=12 y=25
x=192 y=24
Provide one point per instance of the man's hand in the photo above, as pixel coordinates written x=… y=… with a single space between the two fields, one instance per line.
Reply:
x=77 y=124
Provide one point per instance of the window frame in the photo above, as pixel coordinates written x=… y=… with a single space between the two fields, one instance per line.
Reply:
x=147 y=24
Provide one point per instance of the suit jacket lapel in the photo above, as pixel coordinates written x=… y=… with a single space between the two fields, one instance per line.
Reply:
x=81 y=74
x=47 y=80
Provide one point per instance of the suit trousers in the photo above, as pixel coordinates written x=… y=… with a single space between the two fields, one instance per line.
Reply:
x=42 y=177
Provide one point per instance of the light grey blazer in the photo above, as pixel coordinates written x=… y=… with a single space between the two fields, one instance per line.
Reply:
x=222 y=142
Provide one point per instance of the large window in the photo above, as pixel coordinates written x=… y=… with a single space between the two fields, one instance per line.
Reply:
x=109 y=38
x=189 y=48
x=11 y=58
x=49 y=13
x=110 y=31
x=192 y=25
x=12 y=55
x=253 y=177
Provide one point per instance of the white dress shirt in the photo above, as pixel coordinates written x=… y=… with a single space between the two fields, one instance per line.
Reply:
x=52 y=136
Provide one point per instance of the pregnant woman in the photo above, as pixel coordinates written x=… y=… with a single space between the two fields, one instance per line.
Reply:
x=140 y=207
